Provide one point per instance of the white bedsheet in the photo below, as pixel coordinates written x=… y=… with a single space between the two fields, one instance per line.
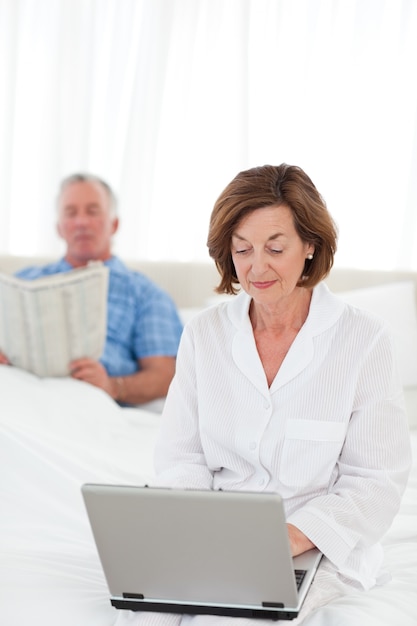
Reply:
x=56 y=434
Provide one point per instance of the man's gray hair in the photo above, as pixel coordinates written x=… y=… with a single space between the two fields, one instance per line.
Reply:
x=82 y=177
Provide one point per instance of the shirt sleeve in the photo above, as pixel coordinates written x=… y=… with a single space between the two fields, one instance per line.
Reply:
x=179 y=456
x=373 y=467
x=158 y=326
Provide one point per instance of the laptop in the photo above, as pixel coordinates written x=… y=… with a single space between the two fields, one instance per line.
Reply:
x=198 y=551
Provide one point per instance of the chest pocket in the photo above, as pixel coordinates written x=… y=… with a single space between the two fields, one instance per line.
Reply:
x=309 y=453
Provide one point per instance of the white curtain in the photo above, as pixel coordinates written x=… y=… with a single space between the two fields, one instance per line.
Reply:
x=169 y=99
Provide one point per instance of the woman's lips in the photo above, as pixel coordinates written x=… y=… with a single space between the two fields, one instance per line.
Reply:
x=263 y=285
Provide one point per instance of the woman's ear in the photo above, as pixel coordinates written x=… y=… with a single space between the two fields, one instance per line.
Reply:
x=310 y=251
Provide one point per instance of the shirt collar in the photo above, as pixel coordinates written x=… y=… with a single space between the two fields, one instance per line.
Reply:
x=325 y=310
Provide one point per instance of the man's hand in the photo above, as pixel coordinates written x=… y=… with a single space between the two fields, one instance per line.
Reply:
x=94 y=373
x=149 y=383
x=4 y=360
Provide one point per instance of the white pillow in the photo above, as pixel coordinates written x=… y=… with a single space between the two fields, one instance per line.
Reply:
x=187 y=313
x=396 y=303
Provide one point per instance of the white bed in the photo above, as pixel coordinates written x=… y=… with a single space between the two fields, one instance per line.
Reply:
x=49 y=570
x=56 y=434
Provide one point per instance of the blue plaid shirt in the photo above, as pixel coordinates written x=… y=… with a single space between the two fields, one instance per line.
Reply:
x=142 y=319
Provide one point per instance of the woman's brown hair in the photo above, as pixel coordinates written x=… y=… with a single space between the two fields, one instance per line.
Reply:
x=266 y=186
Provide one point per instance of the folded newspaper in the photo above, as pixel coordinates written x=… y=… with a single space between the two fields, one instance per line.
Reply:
x=47 y=322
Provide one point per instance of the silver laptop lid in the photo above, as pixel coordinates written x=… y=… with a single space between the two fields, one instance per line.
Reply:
x=193 y=547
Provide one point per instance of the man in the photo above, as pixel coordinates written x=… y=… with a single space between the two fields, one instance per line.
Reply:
x=143 y=326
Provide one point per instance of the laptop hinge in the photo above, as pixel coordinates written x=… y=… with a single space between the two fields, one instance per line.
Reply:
x=273 y=605
x=134 y=596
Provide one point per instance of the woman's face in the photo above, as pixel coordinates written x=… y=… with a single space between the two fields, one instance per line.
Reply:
x=268 y=254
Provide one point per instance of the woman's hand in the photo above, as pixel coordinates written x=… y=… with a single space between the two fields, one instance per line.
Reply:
x=299 y=543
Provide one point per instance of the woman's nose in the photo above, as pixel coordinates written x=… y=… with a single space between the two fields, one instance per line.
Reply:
x=259 y=263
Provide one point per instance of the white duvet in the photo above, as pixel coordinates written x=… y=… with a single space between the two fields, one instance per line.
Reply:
x=56 y=434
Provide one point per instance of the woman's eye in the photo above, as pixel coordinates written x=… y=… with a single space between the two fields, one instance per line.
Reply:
x=241 y=251
x=274 y=251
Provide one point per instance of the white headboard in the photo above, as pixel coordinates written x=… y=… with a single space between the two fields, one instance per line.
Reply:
x=192 y=284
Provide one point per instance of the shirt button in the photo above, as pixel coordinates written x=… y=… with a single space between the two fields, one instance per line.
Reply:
x=266 y=404
x=252 y=445
x=261 y=482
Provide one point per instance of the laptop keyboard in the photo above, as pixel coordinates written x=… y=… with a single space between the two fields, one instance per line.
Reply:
x=299 y=576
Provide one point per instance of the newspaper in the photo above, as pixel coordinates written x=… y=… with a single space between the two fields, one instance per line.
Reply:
x=47 y=322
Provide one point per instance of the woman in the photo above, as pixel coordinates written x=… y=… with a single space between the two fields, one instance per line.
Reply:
x=286 y=388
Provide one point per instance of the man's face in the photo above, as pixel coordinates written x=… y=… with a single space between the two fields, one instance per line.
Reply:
x=85 y=222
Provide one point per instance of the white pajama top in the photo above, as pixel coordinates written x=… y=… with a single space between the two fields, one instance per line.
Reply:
x=330 y=434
